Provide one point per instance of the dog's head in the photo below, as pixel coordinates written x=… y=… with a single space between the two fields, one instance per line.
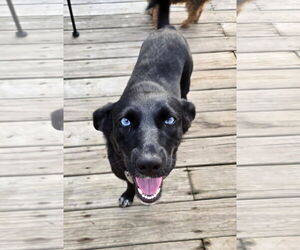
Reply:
x=145 y=132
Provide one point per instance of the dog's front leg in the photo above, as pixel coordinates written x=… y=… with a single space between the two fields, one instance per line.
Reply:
x=126 y=198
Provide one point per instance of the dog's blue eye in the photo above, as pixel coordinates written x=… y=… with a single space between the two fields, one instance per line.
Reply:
x=170 y=121
x=125 y=122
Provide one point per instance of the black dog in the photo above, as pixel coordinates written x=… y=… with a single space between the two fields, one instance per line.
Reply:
x=144 y=128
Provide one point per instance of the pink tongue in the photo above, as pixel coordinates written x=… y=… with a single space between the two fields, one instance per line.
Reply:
x=149 y=186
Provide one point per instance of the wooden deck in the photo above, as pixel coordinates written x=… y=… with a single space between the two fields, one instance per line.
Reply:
x=198 y=209
x=31 y=150
x=268 y=126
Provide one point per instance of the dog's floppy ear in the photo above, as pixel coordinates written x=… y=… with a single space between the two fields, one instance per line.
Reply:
x=102 y=118
x=189 y=113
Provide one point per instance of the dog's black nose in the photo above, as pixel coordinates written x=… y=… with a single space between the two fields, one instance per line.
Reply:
x=149 y=164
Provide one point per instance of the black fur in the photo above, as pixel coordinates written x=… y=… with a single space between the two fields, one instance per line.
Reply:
x=164 y=11
x=157 y=89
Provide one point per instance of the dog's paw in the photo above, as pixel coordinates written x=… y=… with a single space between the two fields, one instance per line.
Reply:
x=124 y=201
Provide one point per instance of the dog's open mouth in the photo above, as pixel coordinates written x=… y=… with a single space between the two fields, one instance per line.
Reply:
x=148 y=189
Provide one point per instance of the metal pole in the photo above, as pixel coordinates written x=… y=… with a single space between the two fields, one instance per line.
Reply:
x=75 y=32
x=20 y=32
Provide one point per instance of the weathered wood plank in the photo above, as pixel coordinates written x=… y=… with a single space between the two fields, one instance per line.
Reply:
x=268 y=60
x=35 y=37
x=139 y=34
x=31 y=160
x=205 y=101
x=268 y=150
x=191 y=152
x=205 y=124
x=29 y=109
x=268 y=123
x=124 y=66
x=213 y=181
x=256 y=29
x=265 y=44
x=137 y=20
x=28 y=10
x=288 y=29
x=40 y=229
x=108 y=8
x=131 y=49
x=270 y=243
x=229 y=29
x=32 y=23
x=268 y=79
x=220 y=243
x=268 y=100
x=24 y=2
x=257 y=182
x=31 y=192
x=100 y=1
x=188 y=245
x=87 y=229
x=19 y=134
x=98 y=191
x=277 y=5
x=32 y=88
x=223 y=5
x=110 y=86
x=28 y=52
x=31 y=69
x=269 y=16
x=268 y=217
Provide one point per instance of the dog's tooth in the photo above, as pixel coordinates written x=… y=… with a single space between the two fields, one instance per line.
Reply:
x=140 y=191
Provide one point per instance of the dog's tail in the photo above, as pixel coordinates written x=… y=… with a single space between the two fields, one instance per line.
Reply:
x=163 y=12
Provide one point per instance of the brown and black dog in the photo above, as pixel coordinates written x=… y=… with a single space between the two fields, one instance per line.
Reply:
x=194 y=9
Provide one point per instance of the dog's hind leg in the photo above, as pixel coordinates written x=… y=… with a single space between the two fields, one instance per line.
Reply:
x=194 y=9
x=126 y=198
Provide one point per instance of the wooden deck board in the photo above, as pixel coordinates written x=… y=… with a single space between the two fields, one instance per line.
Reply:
x=268 y=100
x=283 y=150
x=38 y=109
x=20 y=193
x=35 y=37
x=39 y=229
x=268 y=79
x=281 y=243
x=213 y=181
x=268 y=217
x=31 y=69
x=268 y=60
x=132 y=49
x=29 y=134
x=265 y=44
x=31 y=88
x=139 y=34
x=33 y=23
x=88 y=229
x=112 y=86
x=269 y=16
x=257 y=182
x=40 y=160
x=270 y=123
x=29 y=51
